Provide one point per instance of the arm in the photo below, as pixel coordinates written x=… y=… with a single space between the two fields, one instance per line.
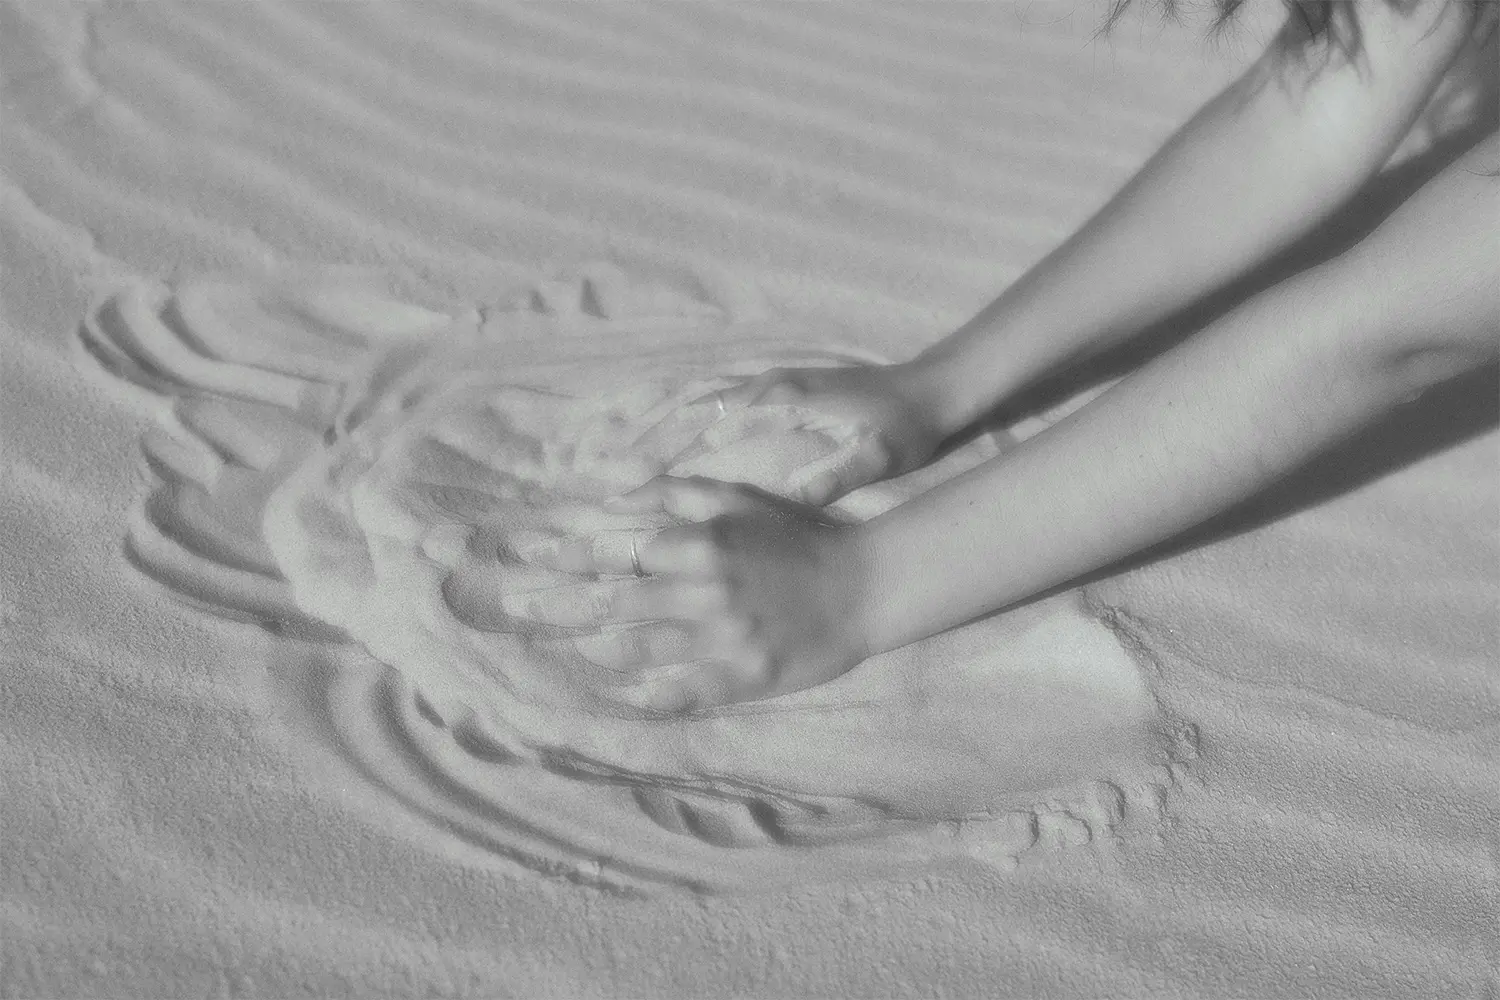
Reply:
x=1258 y=167
x=757 y=596
x=1207 y=424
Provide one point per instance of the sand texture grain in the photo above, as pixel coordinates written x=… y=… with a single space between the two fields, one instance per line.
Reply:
x=284 y=282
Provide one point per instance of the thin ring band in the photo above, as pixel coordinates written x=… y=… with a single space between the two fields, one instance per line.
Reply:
x=635 y=559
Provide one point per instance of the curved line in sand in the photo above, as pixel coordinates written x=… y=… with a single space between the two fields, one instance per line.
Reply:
x=347 y=467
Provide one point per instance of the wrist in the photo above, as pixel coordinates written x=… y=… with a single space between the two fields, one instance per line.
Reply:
x=980 y=365
x=935 y=390
x=873 y=599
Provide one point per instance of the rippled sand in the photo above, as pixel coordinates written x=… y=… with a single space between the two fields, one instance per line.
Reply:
x=196 y=804
x=361 y=471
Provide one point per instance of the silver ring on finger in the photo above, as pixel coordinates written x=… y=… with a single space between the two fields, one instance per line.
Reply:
x=635 y=558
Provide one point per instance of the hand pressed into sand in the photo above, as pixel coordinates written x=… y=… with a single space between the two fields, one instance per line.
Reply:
x=897 y=418
x=752 y=596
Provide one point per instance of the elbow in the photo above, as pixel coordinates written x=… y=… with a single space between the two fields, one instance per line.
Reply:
x=1435 y=331
x=1425 y=286
x=1411 y=373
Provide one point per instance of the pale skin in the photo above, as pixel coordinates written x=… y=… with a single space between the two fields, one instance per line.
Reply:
x=754 y=596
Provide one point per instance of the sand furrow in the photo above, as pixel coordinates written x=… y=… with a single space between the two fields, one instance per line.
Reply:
x=583 y=93
x=877 y=169
x=491 y=136
x=120 y=216
x=492 y=122
x=659 y=208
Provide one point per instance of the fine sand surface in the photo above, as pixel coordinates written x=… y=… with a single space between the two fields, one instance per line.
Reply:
x=312 y=311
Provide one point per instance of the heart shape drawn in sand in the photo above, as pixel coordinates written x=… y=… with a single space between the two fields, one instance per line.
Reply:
x=360 y=471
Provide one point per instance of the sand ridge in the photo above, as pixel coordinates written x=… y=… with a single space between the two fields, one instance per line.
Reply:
x=367 y=471
x=877 y=171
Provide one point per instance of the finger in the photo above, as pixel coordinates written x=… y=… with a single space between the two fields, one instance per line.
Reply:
x=746 y=423
x=604 y=552
x=739 y=427
x=732 y=396
x=822 y=489
x=783 y=383
x=662 y=598
x=606 y=471
x=874 y=460
x=677 y=427
x=691 y=498
x=747 y=391
x=851 y=466
x=687 y=551
x=572 y=606
x=570 y=517
x=640 y=646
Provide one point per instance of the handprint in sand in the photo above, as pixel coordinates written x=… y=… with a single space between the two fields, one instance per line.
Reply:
x=386 y=480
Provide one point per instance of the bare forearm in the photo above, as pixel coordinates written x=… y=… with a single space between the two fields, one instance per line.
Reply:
x=1177 y=441
x=1254 y=170
x=1203 y=427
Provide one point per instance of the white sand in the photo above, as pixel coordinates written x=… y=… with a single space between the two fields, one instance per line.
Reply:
x=197 y=805
x=376 y=474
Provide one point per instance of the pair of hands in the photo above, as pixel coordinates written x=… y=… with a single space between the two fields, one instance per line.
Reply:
x=751 y=595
